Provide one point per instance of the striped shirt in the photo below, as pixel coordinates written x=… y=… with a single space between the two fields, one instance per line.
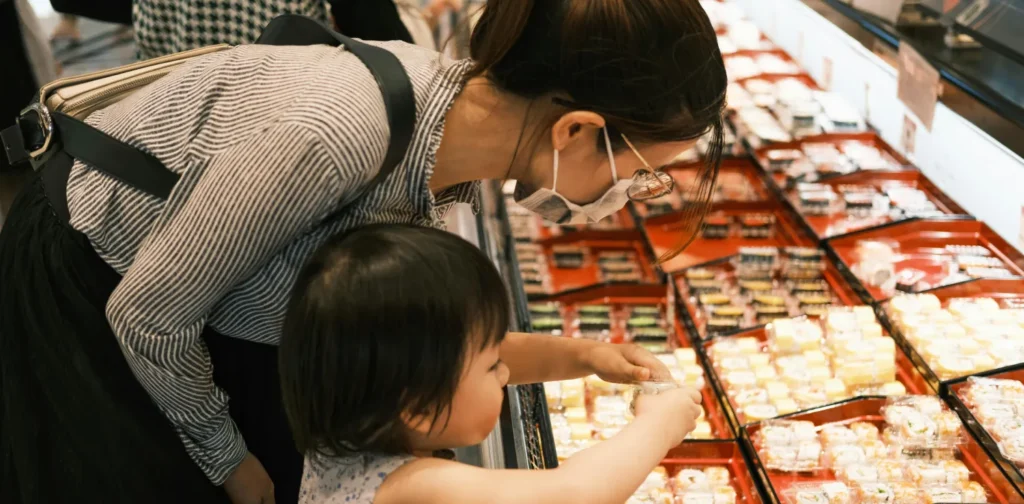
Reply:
x=268 y=141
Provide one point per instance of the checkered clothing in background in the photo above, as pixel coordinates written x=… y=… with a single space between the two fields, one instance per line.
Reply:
x=169 y=26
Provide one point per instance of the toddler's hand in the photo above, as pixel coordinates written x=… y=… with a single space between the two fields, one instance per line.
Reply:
x=674 y=411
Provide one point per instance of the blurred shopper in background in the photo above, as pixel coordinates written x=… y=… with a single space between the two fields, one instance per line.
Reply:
x=169 y=26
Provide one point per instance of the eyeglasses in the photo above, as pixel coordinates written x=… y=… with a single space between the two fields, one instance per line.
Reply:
x=648 y=183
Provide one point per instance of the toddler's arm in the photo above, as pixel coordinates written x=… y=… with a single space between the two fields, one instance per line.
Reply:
x=534 y=358
x=609 y=472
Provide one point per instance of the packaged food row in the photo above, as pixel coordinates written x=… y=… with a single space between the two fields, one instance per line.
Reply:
x=585 y=411
x=864 y=199
x=923 y=254
x=814 y=160
x=961 y=336
x=905 y=450
x=778 y=109
x=738 y=181
x=799 y=364
x=549 y=269
x=701 y=472
x=644 y=324
x=711 y=485
x=998 y=405
x=759 y=285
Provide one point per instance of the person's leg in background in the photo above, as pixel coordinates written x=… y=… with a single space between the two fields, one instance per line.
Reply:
x=27 y=63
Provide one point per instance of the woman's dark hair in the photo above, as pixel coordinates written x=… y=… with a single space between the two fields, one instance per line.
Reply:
x=651 y=68
x=380 y=322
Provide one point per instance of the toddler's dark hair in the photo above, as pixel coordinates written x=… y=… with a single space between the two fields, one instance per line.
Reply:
x=380 y=322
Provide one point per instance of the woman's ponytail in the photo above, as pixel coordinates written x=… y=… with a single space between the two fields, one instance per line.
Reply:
x=499 y=28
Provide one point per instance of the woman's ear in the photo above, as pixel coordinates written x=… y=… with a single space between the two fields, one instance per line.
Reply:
x=575 y=126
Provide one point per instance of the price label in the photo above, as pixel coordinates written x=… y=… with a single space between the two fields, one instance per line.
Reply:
x=918 y=86
x=909 y=138
x=826 y=73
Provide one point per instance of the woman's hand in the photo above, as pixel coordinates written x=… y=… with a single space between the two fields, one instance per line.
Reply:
x=250 y=483
x=625 y=364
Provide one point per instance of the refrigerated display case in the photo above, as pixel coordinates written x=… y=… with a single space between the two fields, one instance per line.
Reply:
x=812 y=176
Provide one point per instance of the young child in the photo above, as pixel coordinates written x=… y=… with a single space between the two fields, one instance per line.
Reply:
x=393 y=351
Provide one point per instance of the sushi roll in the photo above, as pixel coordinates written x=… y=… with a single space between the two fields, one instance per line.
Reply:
x=544 y=310
x=649 y=335
x=691 y=479
x=765 y=300
x=781 y=159
x=722 y=325
x=758 y=256
x=755 y=287
x=714 y=299
x=627 y=277
x=809 y=287
x=548 y=324
x=727 y=311
x=757 y=226
x=858 y=203
x=817 y=202
x=615 y=256
x=805 y=257
x=642 y=321
x=595 y=323
x=768 y=314
x=568 y=256
x=716 y=227
x=699 y=274
x=718 y=476
x=603 y=310
x=875 y=493
x=621 y=267
x=700 y=287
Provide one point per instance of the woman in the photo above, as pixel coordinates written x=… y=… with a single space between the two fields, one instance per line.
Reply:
x=574 y=99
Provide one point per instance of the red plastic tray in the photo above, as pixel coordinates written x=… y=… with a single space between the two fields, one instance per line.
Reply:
x=868 y=138
x=996 y=289
x=984 y=470
x=648 y=295
x=739 y=180
x=906 y=373
x=665 y=232
x=826 y=226
x=956 y=401
x=923 y=244
x=701 y=454
x=568 y=279
x=842 y=293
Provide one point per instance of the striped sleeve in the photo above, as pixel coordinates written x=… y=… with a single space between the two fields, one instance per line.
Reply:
x=248 y=202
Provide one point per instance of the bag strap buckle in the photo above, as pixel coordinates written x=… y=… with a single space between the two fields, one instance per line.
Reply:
x=30 y=136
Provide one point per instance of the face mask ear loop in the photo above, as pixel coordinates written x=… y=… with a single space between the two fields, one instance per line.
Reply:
x=611 y=155
x=554 y=183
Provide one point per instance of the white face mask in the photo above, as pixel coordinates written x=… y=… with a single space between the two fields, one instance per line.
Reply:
x=556 y=208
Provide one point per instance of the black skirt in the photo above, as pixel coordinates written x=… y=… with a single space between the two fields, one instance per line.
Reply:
x=75 y=425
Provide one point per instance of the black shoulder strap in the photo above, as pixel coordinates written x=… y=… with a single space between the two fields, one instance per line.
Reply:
x=146 y=173
x=399 y=100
